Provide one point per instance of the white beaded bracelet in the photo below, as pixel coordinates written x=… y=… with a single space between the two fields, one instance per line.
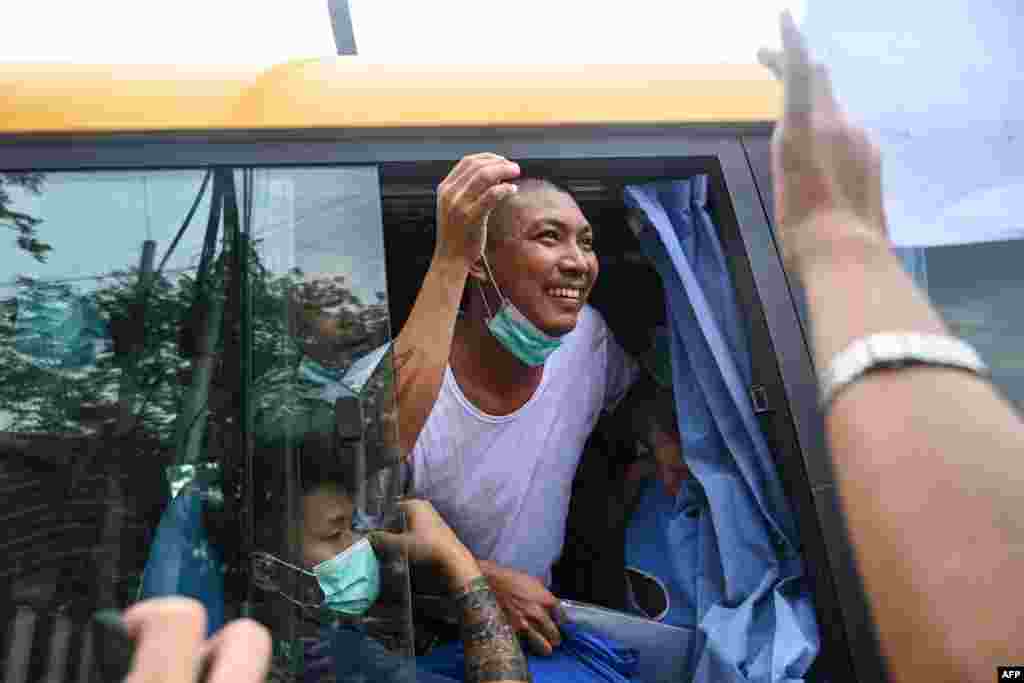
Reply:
x=895 y=350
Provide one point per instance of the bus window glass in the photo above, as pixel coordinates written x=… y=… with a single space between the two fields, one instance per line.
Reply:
x=194 y=393
x=976 y=288
x=666 y=475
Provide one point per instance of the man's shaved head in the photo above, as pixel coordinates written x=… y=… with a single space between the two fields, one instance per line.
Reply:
x=500 y=224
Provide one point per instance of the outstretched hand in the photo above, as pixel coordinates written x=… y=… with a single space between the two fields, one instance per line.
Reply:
x=821 y=162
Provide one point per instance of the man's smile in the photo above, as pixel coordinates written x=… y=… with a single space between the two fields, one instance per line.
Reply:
x=571 y=293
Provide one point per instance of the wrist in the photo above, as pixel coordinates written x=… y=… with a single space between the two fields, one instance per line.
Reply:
x=449 y=263
x=459 y=567
x=832 y=239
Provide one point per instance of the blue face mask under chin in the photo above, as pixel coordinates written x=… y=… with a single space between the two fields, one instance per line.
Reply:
x=515 y=332
x=350 y=580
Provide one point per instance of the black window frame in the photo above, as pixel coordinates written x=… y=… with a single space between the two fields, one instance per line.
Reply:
x=736 y=158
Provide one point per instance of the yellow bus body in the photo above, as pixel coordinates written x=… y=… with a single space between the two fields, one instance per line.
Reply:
x=348 y=93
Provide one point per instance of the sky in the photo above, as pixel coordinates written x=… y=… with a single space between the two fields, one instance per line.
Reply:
x=243 y=31
x=940 y=89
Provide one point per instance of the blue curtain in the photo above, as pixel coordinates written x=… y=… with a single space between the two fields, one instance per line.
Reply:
x=755 y=617
x=183 y=562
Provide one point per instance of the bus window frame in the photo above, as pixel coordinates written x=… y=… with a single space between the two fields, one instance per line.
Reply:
x=736 y=158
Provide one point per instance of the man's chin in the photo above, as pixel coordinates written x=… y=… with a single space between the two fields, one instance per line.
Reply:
x=561 y=327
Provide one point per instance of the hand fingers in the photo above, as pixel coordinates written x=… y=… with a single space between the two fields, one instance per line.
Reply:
x=495 y=196
x=484 y=177
x=538 y=645
x=162 y=626
x=517 y=621
x=543 y=623
x=546 y=598
x=406 y=544
x=798 y=76
x=464 y=168
x=468 y=161
x=240 y=653
x=824 y=98
x=793 y=43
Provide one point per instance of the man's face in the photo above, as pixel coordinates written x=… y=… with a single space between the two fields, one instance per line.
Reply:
x=546 y=264
x=326 y=525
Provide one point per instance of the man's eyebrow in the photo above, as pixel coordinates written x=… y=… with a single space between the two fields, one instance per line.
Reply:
x=562 y=225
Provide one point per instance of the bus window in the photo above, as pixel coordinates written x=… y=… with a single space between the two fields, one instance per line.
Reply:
x=194 y=393
x=976 y=288
x=646 y=511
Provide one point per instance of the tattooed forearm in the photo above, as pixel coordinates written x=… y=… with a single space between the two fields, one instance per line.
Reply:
x=492 y=649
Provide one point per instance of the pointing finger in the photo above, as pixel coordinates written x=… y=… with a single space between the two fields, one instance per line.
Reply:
x=797 y=80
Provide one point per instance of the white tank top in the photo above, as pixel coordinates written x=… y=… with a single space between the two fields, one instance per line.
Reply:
x=503 y=482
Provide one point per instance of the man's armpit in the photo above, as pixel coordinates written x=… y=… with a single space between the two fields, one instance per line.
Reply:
x=400 y=360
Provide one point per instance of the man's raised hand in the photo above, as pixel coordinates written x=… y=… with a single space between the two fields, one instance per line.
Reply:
x=465 y=198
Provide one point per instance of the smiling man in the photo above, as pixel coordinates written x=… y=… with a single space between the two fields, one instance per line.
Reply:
x=497 y=398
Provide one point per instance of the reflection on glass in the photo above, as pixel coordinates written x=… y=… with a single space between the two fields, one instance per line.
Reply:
x=977 y=289
x=176 y=398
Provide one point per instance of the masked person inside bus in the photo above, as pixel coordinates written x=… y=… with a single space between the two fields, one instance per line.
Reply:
x=502 y=372
x=340 y=574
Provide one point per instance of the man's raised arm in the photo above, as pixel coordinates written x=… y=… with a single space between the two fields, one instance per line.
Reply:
x=464 y=199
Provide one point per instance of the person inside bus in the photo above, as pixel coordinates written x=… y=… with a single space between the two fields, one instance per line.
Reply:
x=351 y=570
x=345 y=570
x=663 y=502
x=502 y=372
x=636 y=490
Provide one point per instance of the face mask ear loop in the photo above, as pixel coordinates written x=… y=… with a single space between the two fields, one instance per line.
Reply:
x=494 y=282
x=486 y=305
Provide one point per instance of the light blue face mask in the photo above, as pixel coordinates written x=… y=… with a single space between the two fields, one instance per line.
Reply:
x=350 y=580
x=515 y=332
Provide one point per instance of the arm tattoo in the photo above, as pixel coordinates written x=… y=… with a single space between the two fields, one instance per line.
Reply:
x=492 y=649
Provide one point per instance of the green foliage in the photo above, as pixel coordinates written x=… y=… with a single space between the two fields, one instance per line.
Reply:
x=64 y=358
x=22 y=224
